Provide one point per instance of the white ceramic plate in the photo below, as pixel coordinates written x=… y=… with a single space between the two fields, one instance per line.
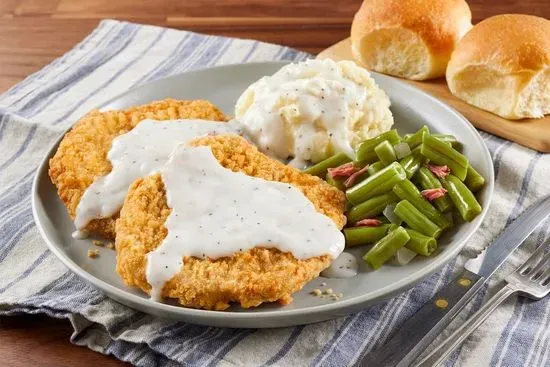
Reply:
x=223 y=85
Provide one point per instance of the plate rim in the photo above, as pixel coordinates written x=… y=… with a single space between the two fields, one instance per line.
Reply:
x=171 y=311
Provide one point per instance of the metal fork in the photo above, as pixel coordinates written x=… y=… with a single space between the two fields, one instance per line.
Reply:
x=532 y=279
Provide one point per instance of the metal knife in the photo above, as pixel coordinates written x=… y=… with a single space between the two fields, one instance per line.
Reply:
x=422 y=328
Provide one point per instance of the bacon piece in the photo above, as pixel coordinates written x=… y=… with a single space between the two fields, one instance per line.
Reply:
x=350 y=181
x=369 y=222
x=439 y=171
x=345 y=170
x=432 y=194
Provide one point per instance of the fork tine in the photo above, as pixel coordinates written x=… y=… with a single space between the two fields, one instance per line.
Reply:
x=545 y=278
x=541 y=266
x=533 y=261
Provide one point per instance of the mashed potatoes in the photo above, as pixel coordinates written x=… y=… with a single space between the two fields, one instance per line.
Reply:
x=313 y=109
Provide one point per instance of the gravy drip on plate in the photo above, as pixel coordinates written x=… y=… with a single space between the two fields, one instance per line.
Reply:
x=217 y=212
x=80 y=234
x=344 y=266
x=136 y=154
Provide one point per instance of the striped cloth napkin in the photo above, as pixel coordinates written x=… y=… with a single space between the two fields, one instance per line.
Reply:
x=118 y=56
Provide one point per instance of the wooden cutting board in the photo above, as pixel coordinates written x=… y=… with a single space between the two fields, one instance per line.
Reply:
x=532 y=133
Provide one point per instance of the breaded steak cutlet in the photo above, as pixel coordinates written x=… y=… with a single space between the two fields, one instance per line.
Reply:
x=249 y=278
x=82 y=154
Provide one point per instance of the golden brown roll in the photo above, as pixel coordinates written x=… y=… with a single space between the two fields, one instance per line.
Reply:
x=503 y=66
x=412 y=39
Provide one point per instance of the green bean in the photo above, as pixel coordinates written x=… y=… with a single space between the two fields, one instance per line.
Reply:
x=393 y=227
x=385 y=152
x=371 y=207
x=336 y=182
x=474 y=180
x=386 y=247
x=320 y=169
x=416 y=220
x=462 y=197
x=412 y=163
x=406 y=190
x=416 y=139
x=417 y=149
x=347 y=206
x=375 y=167
x=379 y=183
x=427 y=180
x=368 y=157
x=449 y=139
x=357 y=236
x=440 y=153
x=422 y=245
x=365 y=150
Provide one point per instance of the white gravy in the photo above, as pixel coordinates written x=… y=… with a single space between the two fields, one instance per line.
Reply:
x=217 y=212
x=344 y=266
x=136 y=154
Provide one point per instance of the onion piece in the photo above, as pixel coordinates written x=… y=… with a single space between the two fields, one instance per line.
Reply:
x=403 y=256
x=390 y=214
x=402 y=150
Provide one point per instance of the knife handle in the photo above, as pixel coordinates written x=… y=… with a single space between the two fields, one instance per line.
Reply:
x=426 y=324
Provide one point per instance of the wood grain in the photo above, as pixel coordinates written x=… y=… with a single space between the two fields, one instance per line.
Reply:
x=39 y=341
x=532 y=133
x=35 y=32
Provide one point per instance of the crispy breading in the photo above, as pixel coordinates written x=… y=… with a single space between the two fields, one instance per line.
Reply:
x=82 y=154
x=249 y=278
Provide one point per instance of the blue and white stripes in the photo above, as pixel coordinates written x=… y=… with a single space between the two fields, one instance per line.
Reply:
x=118 y=56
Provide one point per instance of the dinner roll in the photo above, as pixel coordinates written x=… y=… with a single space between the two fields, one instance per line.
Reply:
x=413 y=39
x=503 y=66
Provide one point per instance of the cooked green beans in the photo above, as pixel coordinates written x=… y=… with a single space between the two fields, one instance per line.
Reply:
x=356 y=236
x=386 y=247
x=427 y=180
x=449 y=139
x=371 y=207
x=441 y=154
x=412 y=163
x=416 y=220
x=462 y=197
x=379 y=183
x=474 y=180
x=416 y=139
x=365 y=150
x=375 y=167
x=336 y=182
x=385 y=203
x=422 y=245
x=320 y=169
x=406 y=190
x=385 y=152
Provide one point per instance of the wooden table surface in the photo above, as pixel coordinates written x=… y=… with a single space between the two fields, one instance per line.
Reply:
x=34 y=32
